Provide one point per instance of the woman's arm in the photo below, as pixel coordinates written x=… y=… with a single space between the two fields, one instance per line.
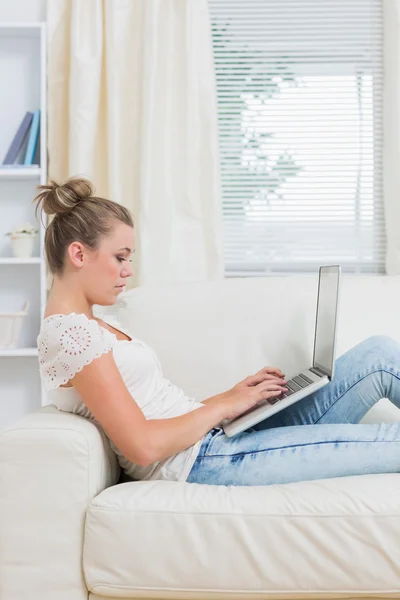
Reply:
x=102 y=389
x=169 y=436
x=266 y=383
x=143 y=441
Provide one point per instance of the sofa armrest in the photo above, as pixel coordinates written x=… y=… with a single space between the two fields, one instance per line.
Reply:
x=52 y=464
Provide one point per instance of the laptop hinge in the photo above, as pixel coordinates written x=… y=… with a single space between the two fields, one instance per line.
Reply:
x=319 y=372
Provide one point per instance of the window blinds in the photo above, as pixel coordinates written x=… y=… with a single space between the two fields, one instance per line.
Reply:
x=299 y=85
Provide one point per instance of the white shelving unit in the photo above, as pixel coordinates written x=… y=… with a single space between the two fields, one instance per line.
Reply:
x=22 y=87
x=9 y=260
x=16 y=173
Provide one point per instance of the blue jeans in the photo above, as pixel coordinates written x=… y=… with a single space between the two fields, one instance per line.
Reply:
x=319 y=436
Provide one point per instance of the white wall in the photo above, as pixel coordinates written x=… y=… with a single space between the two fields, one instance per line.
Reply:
x=23 y=10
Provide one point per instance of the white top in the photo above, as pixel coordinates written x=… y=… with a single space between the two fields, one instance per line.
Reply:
x=66 y=343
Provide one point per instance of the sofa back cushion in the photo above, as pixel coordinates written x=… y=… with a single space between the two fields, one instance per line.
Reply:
x=211 y=334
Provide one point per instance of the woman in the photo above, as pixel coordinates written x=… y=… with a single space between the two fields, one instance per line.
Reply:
x=99 y=370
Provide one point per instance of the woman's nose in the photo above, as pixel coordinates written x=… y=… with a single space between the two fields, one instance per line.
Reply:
x=127 y=271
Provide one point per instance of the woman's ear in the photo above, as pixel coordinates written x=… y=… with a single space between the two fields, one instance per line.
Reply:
x=75 y=253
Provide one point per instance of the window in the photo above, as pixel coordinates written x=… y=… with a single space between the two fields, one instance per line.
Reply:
x=299 y=86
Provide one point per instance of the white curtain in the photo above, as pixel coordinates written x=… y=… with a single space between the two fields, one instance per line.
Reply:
x=132 y=106
x=391 y=133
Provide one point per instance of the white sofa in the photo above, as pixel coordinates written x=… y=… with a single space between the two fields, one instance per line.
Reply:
x=71 y=529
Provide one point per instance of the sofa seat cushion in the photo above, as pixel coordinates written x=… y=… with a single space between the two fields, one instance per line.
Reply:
x=307 y=539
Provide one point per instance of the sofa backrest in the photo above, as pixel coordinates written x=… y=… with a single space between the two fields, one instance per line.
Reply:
x=211 y=334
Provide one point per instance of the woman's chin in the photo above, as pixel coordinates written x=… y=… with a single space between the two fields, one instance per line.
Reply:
x=117 y=294
x=108 y=300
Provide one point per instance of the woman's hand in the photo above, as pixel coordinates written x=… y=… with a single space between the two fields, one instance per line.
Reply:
x=266 y=383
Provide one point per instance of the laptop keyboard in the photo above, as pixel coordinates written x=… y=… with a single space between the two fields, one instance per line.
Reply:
x=293 y=385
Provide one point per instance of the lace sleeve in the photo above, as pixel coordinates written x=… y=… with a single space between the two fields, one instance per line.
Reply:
x=66 y=343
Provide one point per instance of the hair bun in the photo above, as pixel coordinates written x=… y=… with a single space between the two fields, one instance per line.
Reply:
x=58 y=199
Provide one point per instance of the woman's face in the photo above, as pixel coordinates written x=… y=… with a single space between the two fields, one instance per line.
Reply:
x=104 y=272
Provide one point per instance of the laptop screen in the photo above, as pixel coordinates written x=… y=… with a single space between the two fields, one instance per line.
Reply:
x=325 y=327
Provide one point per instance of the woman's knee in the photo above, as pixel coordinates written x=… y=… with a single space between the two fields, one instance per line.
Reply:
x=383 y=348
x=382 y=342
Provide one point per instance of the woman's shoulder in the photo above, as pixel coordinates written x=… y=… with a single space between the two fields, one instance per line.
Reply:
x=60 y=324
x=64 y=318
x=56 y=320
x=72 y=334
x=68 y=342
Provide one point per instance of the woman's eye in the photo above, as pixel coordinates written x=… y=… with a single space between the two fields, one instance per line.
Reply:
x=122 y=258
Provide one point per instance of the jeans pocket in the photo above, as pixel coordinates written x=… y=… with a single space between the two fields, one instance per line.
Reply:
x=215 y=433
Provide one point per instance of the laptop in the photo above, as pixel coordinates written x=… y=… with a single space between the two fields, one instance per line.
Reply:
x=313 y=378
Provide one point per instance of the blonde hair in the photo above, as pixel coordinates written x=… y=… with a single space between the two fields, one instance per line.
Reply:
x=78 y=216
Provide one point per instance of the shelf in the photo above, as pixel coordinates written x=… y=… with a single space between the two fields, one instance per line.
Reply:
x=22 y=28
x=10 y=260
x=21 y=172
x=21 y=25
x=16 y=352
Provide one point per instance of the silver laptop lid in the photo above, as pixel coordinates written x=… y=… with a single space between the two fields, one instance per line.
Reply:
x=326 y=319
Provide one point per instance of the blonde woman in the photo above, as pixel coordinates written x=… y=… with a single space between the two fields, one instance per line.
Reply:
x=101 y=371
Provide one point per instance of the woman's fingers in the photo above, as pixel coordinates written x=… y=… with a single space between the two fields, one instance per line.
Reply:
x=255 y=379
x=272 y=386
x=272 y=371
x=263 y=377
x=264 y=395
